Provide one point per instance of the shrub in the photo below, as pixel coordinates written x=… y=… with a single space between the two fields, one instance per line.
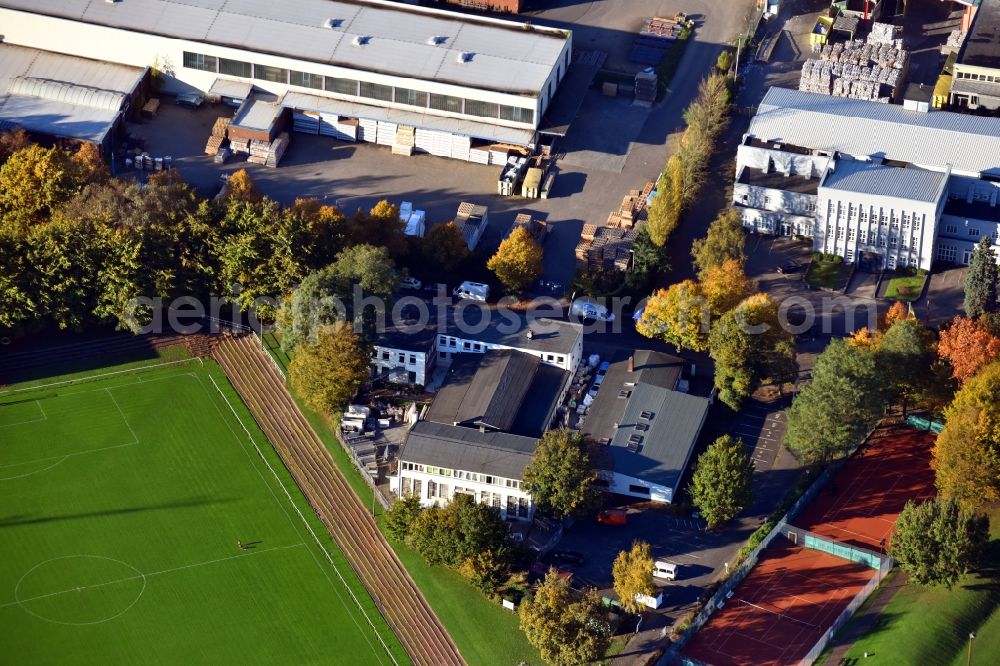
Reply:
x=817 y=256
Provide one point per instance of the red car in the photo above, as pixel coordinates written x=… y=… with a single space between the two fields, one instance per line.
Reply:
x=612 y=517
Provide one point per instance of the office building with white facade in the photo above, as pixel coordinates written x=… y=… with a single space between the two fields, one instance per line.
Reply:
x=873 y=183
x=440 y=461
x=380 y=67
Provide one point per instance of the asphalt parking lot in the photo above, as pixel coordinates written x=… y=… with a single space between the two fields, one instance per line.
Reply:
x=761 y=427
x=616 y=148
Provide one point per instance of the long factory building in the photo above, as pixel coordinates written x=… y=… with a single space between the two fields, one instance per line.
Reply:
x=355 y=70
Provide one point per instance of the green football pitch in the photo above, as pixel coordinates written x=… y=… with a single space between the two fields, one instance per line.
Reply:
x=122 y=498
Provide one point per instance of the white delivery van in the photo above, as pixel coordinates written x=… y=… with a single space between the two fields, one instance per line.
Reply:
x=665 y=570
x=585 y=308
x=472 y=291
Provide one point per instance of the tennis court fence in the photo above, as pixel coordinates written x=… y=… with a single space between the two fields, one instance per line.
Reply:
x=882 y=570
x=808 y=539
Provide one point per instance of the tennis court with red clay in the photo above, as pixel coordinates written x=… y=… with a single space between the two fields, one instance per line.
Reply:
x=794 y=594
x=782 y=608
x=861 y=502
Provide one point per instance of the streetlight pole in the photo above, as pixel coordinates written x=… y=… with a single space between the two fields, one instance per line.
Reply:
x=972 y=635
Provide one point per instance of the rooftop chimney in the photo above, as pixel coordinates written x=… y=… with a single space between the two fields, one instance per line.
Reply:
x=631 y=364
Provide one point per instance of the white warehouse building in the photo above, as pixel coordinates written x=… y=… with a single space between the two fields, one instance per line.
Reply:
x=874 y=183
x=448 y=81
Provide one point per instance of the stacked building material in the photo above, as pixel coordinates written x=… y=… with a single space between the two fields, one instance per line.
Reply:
x=213 y=145
x=307 y=122
x=645 y=86
x=882 y=33
x=479 y=153
x=955 y=40
x=657 y=35
x=609 y=247
x=511 y=175
x=259 y=151
x=857 y=69
x=276 y=150
x=240 y=145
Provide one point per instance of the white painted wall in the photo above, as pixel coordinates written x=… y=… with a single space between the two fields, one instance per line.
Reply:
x=453 y=345
x=619 y=484
x=143 y=50
x=405 y=480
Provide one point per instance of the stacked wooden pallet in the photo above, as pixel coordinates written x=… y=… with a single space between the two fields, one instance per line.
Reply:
x=240 y=145
x=277 y=150
x=307 y=122
x=213 y=145
x=221 y=126
x=386 y=133
x=367 y=130
x=259 y=150
x=479 y=153
x=610 y=246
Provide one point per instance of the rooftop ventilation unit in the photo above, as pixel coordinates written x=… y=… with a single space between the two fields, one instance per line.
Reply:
x=646 y=416
x=464 y=56
x=624 y=394
x=641 y=427
x=360 y=40
x=437 y=40
x=333 y=24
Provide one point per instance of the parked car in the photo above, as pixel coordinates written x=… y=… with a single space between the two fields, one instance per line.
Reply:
x=665 y=570
x=790 y=268
x=563 y=558
x=190 y=100
x=612 y=517
x=410 y=282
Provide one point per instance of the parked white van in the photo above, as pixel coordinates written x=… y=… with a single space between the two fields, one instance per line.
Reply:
x=665 y=570
x=472 y=291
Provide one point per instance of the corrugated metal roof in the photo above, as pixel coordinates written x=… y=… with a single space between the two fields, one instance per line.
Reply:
x=230 y=88
x=468 y=449
x=971 y=144
x=507 y=56
x=971 y=87
x=884 y=181
x=463 y=127
x=62 y=95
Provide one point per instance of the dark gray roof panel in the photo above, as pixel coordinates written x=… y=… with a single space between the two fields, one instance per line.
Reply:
x=468 y=449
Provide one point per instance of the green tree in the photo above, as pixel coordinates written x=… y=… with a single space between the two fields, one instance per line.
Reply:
x=11 y=142
x=401 y=516
x=567 y=630
x=936 y=542
x=560 y=477
x=725 y=240
x=383 y=228
x=486 y=570
x=906 y=355
x=632 y=572
x=444 y=247
x=967 y=452
x=665 y=209
x=451 y=534
x=328 y=373
x=678 y=315
x=836 y=409
x=647 y=262
x=720 y=486
x=518 y=261
x=981 y=280
x=750 y=346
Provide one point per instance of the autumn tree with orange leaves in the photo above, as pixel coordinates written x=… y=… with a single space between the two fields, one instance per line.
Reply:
x=967 y=345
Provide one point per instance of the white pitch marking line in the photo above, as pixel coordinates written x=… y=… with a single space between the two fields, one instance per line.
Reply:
x=127 y=424
x=17 y=423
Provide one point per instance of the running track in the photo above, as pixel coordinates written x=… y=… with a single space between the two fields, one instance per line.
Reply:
x=350 y=524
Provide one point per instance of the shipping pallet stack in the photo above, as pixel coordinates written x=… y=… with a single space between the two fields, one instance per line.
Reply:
x=240 y=145
x=276 y=150
x=405 y=141
x=307 y=122
x=218 y=136
x=646 y=83
x=259 y=151
x=610 y=246
x=655 y=39
x=857 y=69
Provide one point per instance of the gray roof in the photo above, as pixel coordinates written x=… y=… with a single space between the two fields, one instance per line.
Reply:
x=259 y=112
x=982 y=45
x=62 y=95
x=468 y=449
x=858 y=127
x=510 y=329
x=673 y=429
x=485 y=389
x=972 y=87
x=911 y=183
x=666 y=446
x=481 y=128
x=507 y=56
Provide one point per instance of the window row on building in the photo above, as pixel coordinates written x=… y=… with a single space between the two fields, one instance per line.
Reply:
x=989 y=78
x=408 y=359
x=360 y=89
x=488 y=479
x=456 y=345
x=515 y=505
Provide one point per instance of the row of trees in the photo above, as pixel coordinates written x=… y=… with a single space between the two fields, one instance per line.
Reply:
x=686 y=170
